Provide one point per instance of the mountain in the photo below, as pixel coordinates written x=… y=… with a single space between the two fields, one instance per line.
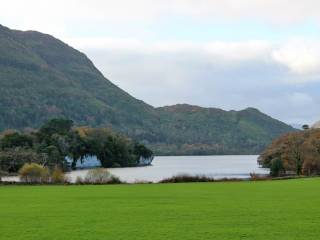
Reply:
x=195 y=130
x=42 y=78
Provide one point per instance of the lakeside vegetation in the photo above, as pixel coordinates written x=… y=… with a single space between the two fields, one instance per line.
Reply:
x=283 y=210
x=294 y=154
x=57 y=141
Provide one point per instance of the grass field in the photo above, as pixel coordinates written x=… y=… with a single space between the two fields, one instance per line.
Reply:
x=268 y=210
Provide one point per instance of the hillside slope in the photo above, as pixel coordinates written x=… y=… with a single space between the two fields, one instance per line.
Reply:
x=42 y=78
x=195 y=130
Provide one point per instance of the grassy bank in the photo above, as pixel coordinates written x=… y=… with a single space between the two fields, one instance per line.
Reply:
x=286 y=209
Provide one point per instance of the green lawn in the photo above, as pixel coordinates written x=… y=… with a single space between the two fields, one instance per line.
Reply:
x=270 y=210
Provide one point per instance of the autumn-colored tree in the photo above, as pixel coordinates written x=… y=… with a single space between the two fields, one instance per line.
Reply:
x=298 y=152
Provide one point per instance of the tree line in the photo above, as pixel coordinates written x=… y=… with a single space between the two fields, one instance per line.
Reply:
x=58 y=140
x=294 y=153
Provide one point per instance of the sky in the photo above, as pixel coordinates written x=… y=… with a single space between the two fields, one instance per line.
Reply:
x=229 y=54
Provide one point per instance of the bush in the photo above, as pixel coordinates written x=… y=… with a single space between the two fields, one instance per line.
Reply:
x=142 y=182
x=79 y=180
x=114 y=180
x=257 y=177
x=57 y=176
x=34 y=173
x=100 y=176
x=183 y=178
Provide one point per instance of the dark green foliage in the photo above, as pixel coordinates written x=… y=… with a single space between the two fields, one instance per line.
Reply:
x=305 y=127
x=142 y=150
x=57 y=140
x=185 y=178
x=16 y=139
x=43 y=78
x=55 y=126
x=113 y=150
x=276 y=167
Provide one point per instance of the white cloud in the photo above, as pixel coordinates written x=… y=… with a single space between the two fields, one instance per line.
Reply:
x=232 y=51
x=301 y=57
x=50 y=16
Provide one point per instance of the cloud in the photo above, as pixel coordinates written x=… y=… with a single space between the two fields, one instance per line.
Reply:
x=301 y=57
x=73 y=14
x=235 y=51
x=298 y=59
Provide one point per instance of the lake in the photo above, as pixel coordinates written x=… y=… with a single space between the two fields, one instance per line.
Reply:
x=235 y=166
x=227 y=166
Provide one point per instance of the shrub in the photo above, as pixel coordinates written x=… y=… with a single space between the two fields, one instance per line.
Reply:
x=187 y=178
x=257 y=177
x=100 y=176
x=57 y=176
x=142 y=182
x=114 y=180
x=79 y=180
x=34 y=173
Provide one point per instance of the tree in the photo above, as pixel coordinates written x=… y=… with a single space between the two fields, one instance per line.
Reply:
x=305 y=127
x=55 y=126
x=311 y=154
x=110 y=148
x=57 y=140
x=293 y=153
x=16 y=139
x=12 y=160
x=298 y=152
x=78 y=148
x=276 y=168
x=142 y=150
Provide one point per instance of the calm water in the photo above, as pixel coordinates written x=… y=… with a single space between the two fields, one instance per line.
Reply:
x=164 y=167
